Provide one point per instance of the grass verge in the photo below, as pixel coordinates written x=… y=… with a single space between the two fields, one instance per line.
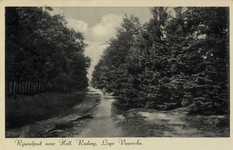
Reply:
x=23 y=109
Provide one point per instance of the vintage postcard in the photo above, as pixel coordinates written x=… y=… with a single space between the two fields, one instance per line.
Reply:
x=115 y=74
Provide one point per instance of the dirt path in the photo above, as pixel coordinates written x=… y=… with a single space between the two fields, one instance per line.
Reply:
x=57 y=126
x=92 y=118
x=104 y=122
x=99 y=122
x=96 y=117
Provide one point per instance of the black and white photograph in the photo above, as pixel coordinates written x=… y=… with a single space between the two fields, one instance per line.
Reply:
x=117 y=72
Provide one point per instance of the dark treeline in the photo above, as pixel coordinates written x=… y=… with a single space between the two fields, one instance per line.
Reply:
x=41 y=53
x=180 y=57
x=30 y=87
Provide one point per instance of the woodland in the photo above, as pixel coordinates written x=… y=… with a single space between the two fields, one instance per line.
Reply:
x=41 y=53
x=180 y=57
x=173 y=69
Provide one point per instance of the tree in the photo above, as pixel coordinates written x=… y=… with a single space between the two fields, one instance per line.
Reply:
x=181 y=54
x=40 y=47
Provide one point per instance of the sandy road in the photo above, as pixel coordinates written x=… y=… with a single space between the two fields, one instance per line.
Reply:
x=92 y=118
x=95 y=117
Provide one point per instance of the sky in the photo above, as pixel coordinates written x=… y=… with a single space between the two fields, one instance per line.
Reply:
x=98 y=25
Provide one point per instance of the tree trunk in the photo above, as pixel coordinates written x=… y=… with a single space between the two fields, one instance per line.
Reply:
x=19 y=89
x=26 y=87
x=47 y=86
x=23 y=88
x=33 y=87
x=29 y=87
x=14 y=88
x=37 y=87
x=40 y=87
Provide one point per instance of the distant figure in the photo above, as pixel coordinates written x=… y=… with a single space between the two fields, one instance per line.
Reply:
x=104 y=90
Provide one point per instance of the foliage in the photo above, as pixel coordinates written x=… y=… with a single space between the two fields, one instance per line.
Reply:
x=180 y=55
x=40 y=47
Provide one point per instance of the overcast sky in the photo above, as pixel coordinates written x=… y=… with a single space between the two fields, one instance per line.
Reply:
x=98 y=25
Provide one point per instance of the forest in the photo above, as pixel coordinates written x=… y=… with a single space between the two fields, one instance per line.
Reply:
x=42 y=53
x=180 y=57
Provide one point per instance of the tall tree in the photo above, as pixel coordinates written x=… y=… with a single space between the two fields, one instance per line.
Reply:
x=40 y=47
x=181 y=54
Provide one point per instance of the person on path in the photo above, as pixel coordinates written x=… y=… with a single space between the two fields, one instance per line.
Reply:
x=104 y=90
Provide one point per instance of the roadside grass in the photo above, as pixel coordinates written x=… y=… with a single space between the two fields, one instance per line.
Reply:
x=24 y=109
x=135 y=125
